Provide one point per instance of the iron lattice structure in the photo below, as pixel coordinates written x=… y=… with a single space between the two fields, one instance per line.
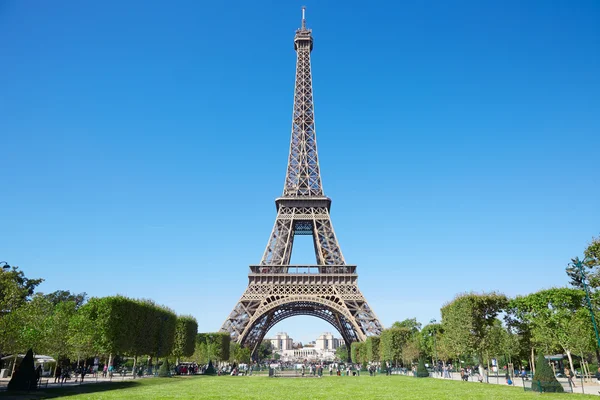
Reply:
x=278 y=290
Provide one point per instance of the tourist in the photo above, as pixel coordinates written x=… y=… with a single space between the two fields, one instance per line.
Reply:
x=570 y=375
x=104 y=370
x=57 y=373
x=507 y=377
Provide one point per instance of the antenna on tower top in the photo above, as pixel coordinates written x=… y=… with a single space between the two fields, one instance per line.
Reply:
x=303 y=17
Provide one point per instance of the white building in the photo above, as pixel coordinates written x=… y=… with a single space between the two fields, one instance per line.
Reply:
x=323 y=349
x=281 y=342
x=327 y=342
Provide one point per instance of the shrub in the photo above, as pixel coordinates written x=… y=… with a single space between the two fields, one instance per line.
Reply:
x=210 y=370
x=24 y=377
x=164 y=371
x=544 y=379
x=421 y=370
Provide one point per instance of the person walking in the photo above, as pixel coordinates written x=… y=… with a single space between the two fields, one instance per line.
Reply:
x=57 y=373
x=570 y=375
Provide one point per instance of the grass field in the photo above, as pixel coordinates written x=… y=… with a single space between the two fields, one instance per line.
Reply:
x=264 y=388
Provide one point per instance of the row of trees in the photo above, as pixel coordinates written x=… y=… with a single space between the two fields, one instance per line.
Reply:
x=68 y=326
x=477 y=327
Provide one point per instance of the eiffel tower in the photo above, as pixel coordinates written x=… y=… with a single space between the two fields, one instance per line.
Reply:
x=277 y=290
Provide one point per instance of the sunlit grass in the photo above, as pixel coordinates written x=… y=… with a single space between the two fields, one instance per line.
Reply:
x=264 y=388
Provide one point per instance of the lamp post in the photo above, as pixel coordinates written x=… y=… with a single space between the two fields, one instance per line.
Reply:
x=433 y=321
x=4 y=265
x=579 y=264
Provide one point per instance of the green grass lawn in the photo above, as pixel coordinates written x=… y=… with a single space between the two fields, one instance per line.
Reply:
x=264 y=388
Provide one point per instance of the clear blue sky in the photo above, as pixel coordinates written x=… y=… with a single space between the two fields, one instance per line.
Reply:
x=143 y=145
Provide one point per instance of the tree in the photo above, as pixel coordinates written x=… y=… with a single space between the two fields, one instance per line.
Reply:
x=15 y=292
x=372 y=348
x=265 y=350
x=238 y=354
x=216 y=345
x=391 y=343
x=430 y=335
x=82 y=333
x=57 y=331
x=185 y=336
x=33 y=319
x=580 y=334
x=467 y=319
x=410 y=323
x=358 y=352
x=411 y=349
x=62 y=296
x=341 y=353
x=550 y=314
x=591 y=267
x=15 y=289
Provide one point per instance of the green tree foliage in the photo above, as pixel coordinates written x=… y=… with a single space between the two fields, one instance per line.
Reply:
x=33 y=318
x=341 y=353
x=62 y=296
x=57 y=329
x=185 y=336
x=372 y=349
x=409 y=323
x=466 y=321
x=238 y=354
x=15 y=289
x=119 y=325
x=392 y=341
x=544 y=378
x=24 y=377
x=16 y=325
x=549 y=314
x=411 y=349
x=216 y=345
x=358 y=352
x=82 y=333
x=430 y=335
x=591 y=267
x=265 y=350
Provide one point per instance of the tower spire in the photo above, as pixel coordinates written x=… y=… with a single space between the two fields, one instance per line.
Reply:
x=303 y=17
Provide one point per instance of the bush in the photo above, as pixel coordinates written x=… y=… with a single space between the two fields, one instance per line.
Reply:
x=544 y=379
x=24 y=377
x=421 y=370
x=210 y=370
x=164 y=371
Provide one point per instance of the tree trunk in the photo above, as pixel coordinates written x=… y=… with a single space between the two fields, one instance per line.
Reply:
x=14 y=365
x=570 y=360
x=597 y=355
x=532 y=360
x=134 y=363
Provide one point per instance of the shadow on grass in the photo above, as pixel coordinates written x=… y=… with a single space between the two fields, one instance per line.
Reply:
x=65 y=391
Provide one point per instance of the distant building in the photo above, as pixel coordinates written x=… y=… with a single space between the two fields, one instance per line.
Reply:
x=327 y=342
x=281 y=342
x=322 y=349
